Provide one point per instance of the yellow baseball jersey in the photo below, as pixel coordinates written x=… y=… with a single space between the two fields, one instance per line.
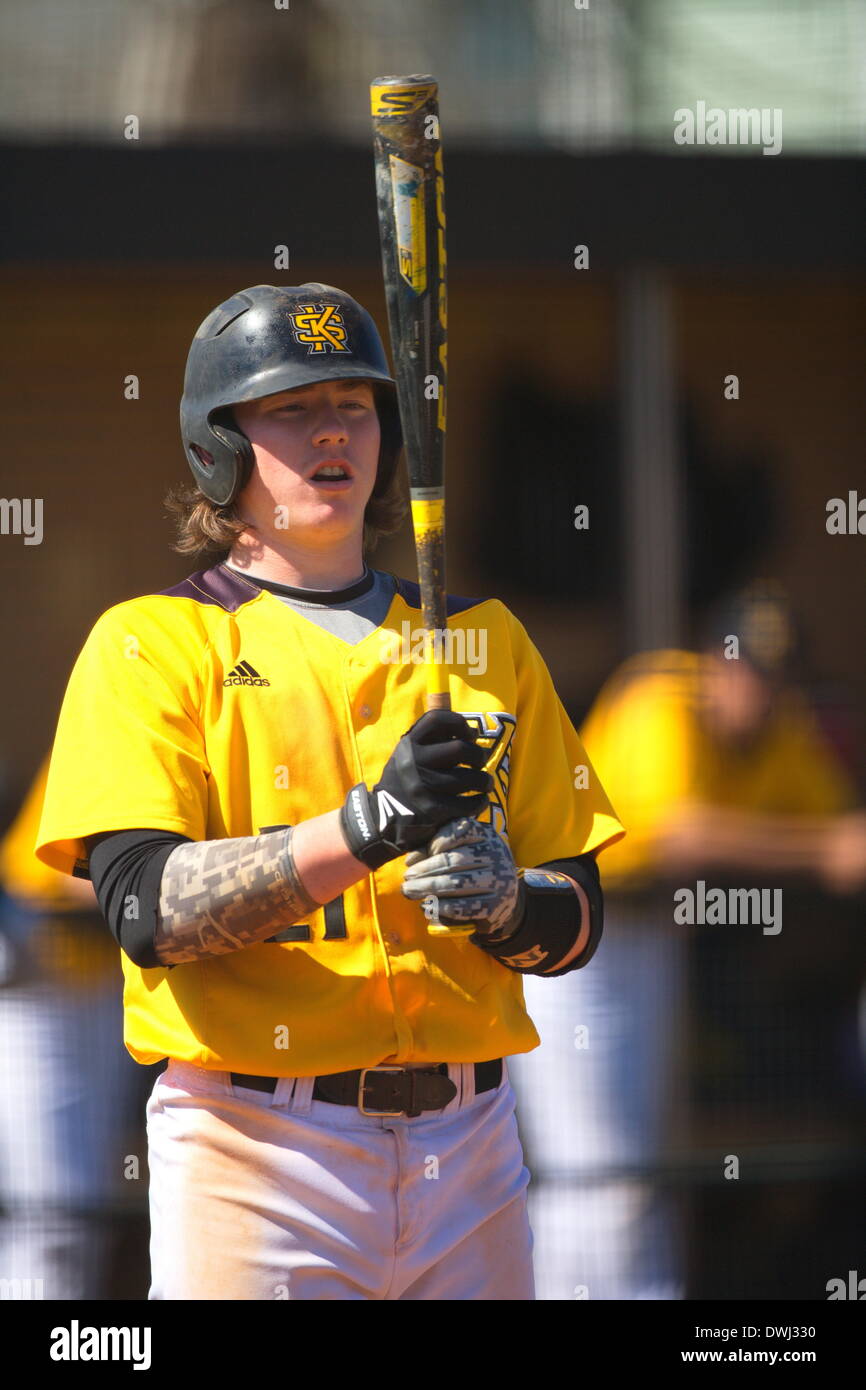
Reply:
x=654 y=755
x=215 y=711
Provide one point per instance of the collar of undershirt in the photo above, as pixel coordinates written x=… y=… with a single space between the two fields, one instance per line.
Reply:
x=327 y=597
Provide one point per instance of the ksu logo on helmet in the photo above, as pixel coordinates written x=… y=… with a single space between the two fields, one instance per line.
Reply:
x=320 y=328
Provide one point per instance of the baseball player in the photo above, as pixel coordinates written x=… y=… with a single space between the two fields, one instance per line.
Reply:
x=718 y=766
x=243 y=767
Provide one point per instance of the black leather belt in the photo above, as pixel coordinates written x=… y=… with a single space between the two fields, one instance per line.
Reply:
x=386 y=1090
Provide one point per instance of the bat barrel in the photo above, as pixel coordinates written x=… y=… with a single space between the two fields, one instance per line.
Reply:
x=411 y=206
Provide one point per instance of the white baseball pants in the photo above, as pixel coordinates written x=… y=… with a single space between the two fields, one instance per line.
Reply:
x=260 y=1196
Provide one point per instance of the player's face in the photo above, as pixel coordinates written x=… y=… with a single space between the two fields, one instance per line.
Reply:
x=295 y=434
x=737 y=700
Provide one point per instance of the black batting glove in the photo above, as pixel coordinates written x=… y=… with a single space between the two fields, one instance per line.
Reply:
x=434 y=775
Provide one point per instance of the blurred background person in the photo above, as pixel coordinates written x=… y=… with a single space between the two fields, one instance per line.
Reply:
x=67 y=1084
x=718 y=770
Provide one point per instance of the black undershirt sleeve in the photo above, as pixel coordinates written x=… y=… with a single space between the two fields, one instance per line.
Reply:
x=126 y=869
x=126 y=872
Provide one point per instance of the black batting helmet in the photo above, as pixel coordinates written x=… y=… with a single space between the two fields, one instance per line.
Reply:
x=271 y=338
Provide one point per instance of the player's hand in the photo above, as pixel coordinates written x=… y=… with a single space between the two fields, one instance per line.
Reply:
x=435 y=774
x=842 y=854
x=468 y=871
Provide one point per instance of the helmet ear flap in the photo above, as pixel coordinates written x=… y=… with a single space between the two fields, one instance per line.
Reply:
x=224 y=470
x=224 y=427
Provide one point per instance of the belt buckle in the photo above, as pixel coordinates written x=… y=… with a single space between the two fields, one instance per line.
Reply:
x=365 y=1071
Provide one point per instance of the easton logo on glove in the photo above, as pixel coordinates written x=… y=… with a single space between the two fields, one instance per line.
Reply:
x=389 y=806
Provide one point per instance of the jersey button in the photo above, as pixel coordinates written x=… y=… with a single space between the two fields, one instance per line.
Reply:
x=394 y=938
x=365 y=711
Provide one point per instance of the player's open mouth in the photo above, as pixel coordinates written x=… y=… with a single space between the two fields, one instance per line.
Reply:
x=332 y=484
x=333 y=475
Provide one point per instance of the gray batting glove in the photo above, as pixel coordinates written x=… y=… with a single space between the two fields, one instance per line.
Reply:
x=468 y=869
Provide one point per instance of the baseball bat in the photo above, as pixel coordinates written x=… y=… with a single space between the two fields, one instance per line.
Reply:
x=410 y=195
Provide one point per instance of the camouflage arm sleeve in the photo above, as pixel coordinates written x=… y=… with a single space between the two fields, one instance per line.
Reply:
x=218 y=896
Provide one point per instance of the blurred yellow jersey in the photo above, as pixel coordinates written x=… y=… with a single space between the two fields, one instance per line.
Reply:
x=23 y=875
x=66 y=940
x=653 y=755
x=214 y=710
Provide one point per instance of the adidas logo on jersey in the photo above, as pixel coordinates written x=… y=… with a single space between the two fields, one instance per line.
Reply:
x=245 y=674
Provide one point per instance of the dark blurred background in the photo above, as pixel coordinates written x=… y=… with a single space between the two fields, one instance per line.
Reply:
x=602 y=386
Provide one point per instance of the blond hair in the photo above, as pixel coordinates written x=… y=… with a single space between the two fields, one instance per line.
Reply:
x=206 y=529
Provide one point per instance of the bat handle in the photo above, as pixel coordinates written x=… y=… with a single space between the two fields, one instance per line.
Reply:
x=438 y=689
x=440 y=929
x=440 y=699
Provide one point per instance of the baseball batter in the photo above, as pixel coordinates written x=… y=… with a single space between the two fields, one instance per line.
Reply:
x=243 y=768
